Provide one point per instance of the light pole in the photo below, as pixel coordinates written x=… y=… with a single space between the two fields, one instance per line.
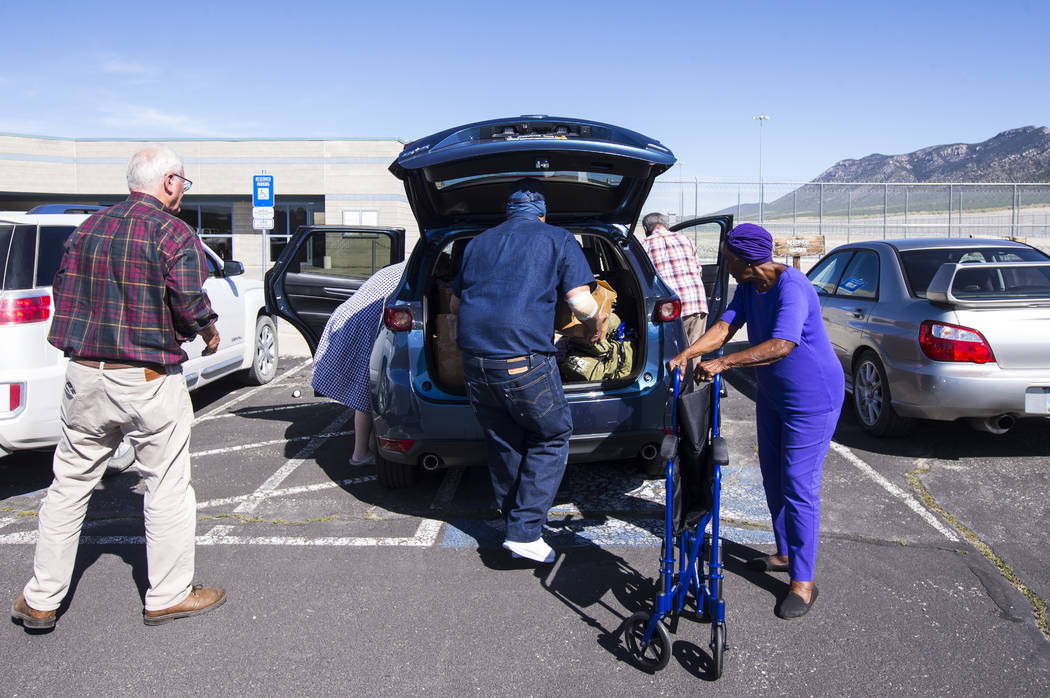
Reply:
x=761 y=187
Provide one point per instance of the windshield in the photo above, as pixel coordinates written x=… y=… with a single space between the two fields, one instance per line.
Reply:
x=921 y=265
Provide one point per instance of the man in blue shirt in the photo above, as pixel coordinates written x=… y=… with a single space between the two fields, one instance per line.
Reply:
x=509 y=284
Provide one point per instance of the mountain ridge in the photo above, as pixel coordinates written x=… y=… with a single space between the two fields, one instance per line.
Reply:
x=1017 y=155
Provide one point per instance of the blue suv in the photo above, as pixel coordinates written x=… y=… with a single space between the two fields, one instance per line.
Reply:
x=597 y=178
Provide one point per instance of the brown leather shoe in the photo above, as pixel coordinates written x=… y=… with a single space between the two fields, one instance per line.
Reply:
x=30 y=617
x=201 y=600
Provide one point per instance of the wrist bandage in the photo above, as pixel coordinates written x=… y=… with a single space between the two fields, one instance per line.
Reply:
x=583 y=306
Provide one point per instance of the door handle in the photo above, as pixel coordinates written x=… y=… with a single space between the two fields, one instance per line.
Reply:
x=858 y=312
x=345 y=292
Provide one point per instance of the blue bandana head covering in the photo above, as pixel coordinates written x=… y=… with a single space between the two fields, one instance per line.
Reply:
x=751 y=243
x=526 y=197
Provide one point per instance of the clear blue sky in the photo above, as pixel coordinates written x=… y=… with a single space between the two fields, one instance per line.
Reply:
x=839 y=79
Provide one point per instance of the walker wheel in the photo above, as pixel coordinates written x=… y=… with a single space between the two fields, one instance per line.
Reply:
x=657 y=653
x=718 y=647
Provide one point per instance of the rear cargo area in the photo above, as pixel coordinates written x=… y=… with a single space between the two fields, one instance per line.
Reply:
x=612 y=362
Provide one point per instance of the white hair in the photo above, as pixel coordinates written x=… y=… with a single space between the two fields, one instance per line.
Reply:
x=147 y=167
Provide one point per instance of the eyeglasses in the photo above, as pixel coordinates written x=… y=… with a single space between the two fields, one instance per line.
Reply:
x=186 y=184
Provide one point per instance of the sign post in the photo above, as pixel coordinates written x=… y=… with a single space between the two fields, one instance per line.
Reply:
x=798 y=247
x=263 y=210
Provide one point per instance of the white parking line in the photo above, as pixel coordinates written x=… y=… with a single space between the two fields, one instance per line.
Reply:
x=222 y=407
x=426 y=536
x=909 y=501
x=897 y=492
x=274 y=442
x=263 y=410
x=8 y=520
x=288 y=468
x=226 y=501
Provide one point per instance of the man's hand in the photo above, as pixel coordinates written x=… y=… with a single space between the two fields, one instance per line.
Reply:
x=597 y=332
x=210 y=335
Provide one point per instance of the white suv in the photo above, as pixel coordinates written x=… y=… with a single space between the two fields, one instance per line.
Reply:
x=32 y=371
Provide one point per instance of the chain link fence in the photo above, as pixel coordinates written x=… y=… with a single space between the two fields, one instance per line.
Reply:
x=843 y=213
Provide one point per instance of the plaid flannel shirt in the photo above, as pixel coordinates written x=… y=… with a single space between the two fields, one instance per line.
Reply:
x=675 y=259
x=130 y=286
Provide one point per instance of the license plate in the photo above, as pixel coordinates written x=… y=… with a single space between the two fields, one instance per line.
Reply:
x=1037 y=400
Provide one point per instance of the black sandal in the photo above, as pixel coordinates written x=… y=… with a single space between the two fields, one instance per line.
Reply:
x=765 y=564
x=792 y=606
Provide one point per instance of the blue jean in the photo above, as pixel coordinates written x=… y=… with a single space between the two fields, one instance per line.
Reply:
x=791 y=450
x=521 y=406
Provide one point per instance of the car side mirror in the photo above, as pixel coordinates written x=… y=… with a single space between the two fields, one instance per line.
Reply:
x=232 y=268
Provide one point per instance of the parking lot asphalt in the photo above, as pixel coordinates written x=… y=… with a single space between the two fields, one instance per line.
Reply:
x=933 y=571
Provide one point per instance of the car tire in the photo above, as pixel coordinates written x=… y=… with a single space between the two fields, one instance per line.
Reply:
x=872 y=401
x=395 y=476
x=264 y=353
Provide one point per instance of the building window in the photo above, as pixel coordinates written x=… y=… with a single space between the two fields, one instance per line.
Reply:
x=353 y=216
x=287 y=219
x=214 y=226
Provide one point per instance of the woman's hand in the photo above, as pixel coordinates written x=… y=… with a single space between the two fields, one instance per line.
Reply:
x=707 y=370
x=679 y=362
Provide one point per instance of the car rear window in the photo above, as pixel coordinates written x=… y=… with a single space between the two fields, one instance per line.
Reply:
x=1002 y=282
x=50 y=251
x=603 y=180
x=921 y=265
x=17 y=248
x=6 y=231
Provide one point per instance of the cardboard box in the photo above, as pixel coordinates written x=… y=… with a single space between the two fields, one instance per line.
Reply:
x=447 y=328
x=566 y=323
x=449 y=362
x=444 y=298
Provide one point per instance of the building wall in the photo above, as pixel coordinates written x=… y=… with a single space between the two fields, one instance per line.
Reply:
x=350 y=175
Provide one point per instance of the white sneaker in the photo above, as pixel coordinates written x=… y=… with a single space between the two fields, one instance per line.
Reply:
x=367 y=460
x=537 y=550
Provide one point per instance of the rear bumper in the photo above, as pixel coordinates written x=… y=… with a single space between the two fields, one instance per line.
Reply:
x=38 y=425
x=954 y=391
x=606 y=427
x=583 y=448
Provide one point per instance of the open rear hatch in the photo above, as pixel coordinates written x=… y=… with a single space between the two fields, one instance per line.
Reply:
x=591 y=171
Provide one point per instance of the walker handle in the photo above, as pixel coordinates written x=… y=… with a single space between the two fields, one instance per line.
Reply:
x=677 y=373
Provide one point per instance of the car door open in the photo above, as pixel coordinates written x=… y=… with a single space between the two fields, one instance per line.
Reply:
x=322 y=266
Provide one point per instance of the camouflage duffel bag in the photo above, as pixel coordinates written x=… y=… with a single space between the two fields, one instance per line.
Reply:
x=607 y=359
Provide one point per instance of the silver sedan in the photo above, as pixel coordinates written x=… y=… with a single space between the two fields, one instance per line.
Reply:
x=939 y=328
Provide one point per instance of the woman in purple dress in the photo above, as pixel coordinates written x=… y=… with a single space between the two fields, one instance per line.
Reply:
x=800 y=391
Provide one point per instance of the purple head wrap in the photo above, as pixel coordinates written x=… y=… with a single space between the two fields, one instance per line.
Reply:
x=527 y=197
x=751 y=243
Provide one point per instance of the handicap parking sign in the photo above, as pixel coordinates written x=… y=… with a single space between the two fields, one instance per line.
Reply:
x=262 y=190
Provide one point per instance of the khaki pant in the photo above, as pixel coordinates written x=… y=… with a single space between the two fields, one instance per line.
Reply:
x=100 y=406
x=695 y=326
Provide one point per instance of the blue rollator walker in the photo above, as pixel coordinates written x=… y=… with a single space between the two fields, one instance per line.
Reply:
x=695 y=454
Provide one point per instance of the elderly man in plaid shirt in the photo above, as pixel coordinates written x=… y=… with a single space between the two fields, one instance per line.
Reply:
x=128 y=293
x=674 y=257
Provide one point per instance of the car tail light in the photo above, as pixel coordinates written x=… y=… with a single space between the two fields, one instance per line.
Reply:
x=16 y=311
x=399 y=445
x=15 y=398
x=668 y=311
x=943 y=342
x=398 y=318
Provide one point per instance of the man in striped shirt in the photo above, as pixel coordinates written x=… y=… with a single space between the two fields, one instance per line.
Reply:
x=127 y=295
x=676 y=261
